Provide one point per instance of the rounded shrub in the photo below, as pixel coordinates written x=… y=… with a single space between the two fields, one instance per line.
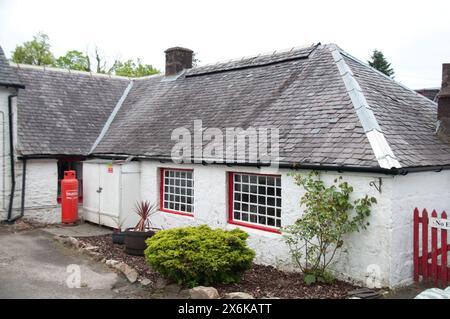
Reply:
x=199 y=255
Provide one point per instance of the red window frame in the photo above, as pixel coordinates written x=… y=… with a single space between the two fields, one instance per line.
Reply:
x=231 y=205
x=161 y=191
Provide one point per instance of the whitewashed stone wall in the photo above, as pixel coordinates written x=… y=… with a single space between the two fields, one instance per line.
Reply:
x=430 y=190
x=363 y=253
x=41 y=191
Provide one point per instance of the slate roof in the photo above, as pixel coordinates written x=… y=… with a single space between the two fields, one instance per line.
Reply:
x=8 y=76
x=330 y=109
x=407 y=119
x=62 y=112
x=303 y=94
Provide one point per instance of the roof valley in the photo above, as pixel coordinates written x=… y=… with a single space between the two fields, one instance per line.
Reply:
x=380 y=146
x=112 y=116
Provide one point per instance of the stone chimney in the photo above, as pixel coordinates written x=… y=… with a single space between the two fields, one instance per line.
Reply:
x=443 y=128
x=177 y=59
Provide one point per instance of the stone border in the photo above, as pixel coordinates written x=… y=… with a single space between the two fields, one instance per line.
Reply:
x=132 y=275
x=92 y=251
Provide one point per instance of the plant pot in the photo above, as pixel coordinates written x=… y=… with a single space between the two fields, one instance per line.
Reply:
x=135 y=241
x=118 y=238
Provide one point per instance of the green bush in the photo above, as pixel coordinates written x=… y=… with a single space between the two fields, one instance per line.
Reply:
x=199 y=255
x=329 y=215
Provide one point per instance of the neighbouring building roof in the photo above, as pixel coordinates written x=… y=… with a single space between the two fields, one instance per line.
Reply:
x=430 y=93
x=330 y=109
x=8 y=76
x=62 y=112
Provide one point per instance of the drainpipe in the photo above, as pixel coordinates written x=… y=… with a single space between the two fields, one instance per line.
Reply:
x=22 y=201
x=3 y=151
x=11 y=156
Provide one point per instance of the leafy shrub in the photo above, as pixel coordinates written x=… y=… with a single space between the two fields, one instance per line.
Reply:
x=315 y=238
x=199 y=255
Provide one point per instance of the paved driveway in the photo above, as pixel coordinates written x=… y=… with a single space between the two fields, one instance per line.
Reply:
x=33 y=265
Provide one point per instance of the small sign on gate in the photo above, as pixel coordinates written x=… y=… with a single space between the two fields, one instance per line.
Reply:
x=110 y=168
x=440 y=223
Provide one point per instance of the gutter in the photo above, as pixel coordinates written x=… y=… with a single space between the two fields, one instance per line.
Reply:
x=16 y=86
x=11 y=156
x=286 y=165
x=52 y=156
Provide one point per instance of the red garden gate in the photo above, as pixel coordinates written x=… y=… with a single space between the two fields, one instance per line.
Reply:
x=431 y=253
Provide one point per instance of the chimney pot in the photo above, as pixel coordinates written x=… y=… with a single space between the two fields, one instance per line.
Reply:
x=443 y=129
x=177 y=59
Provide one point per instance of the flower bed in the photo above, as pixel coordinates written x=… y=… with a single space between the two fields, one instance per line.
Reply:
x=260 y=281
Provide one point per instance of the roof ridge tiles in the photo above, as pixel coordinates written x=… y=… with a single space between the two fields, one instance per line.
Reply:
x=267 y=53
x=374 y=133
x=70 y=71
x=348 y=55
x=249 y=61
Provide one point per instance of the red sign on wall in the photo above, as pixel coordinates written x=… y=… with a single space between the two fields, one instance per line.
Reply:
x=110 y=168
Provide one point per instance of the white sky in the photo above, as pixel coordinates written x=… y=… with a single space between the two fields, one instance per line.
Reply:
x=414 y=35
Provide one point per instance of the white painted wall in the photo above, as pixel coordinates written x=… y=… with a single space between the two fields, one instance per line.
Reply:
x=3 y=135
x=357 y=259
x=42 y=175
x=430 y=190
x=41 y=189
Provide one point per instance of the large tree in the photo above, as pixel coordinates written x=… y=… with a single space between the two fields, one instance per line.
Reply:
x=195 y=60
x=35 y=52
x=133 y=69
x=73 y=60
x=102 y=64
x=379 y=62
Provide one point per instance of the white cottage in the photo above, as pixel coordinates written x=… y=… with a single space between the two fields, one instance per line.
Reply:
x=332 y=113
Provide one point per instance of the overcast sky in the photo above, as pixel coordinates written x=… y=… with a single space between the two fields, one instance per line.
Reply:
x=414 y=35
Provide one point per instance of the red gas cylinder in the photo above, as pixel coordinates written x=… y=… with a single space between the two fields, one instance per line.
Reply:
x=69 y=198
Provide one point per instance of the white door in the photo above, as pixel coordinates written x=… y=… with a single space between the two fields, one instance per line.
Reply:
x=110 y=185
x=91 y=195
x=101 y=197
x=131 y=193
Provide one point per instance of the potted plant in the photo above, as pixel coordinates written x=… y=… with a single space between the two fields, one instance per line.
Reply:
x=118 y=236
x=135 y=237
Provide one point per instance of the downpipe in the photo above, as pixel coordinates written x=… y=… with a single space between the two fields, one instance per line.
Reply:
x=11 y=158
x=22 y=200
